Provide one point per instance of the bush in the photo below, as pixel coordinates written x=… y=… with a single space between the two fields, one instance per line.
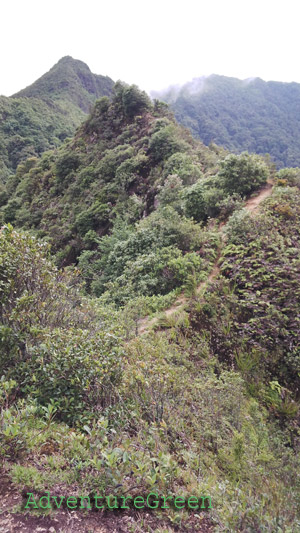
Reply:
x=183 y=165
x=67 y=162
x=229 y=204
x=238 y=226
x=170 y=192
x=194 y=201
x=73 y=368
x=128 y=171
x=47 y=343
x=288 y=176
x=212 y=198
x=165 y=142
x=157 y=272
x=135 y=102
x=243 y=173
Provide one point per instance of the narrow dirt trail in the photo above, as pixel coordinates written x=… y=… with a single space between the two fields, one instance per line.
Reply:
x=253 y=203
x=250 y=205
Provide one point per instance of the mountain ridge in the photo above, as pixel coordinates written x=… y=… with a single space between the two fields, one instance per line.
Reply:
x=43 y=114
x=64 y=78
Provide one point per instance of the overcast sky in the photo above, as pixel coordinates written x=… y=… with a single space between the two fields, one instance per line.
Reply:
x=151 y=43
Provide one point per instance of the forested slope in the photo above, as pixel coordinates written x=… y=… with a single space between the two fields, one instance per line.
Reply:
x=254 y=115
x=41 y=116
x=70 y=81
x=91 y=198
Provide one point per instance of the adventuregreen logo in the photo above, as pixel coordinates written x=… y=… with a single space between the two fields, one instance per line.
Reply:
x=96 y=502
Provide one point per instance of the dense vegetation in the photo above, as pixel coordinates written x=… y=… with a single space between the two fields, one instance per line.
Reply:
x=94 y=199
x=206 y=400
x=69 y=81
x=41 y=116
x=253 y=115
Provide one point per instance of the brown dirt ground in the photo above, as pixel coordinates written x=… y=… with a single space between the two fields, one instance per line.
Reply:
x=254 y=202
x=65 y=521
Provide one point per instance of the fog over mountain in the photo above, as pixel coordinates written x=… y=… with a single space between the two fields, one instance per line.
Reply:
x=254 y=115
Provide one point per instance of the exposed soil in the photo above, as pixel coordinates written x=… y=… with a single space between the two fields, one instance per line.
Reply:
x=65 y=521
x=251 y=204
x=254 y=202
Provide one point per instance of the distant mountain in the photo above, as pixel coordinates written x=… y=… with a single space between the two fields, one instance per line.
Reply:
x=253 y=115
x=72 y=81
x=41 y=116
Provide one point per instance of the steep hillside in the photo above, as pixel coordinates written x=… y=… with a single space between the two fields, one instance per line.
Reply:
x=41 y=116
x=29 y=127
x=128 y=158
x=70 y=81
x=253 y=115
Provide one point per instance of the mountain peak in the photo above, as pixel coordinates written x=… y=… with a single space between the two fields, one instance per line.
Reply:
x=67 y=58
x=71 y=62
x=69 y=80
x=43 y=114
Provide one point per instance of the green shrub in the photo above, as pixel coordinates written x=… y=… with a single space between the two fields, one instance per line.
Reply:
x=170 y=192
x=67 y=162
x=183 y=165
x=165 y=142
x=243 y=173
x=46 y=346
x=288 y=176
x=194 y=201
x=73 y=368
x=135 y=102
